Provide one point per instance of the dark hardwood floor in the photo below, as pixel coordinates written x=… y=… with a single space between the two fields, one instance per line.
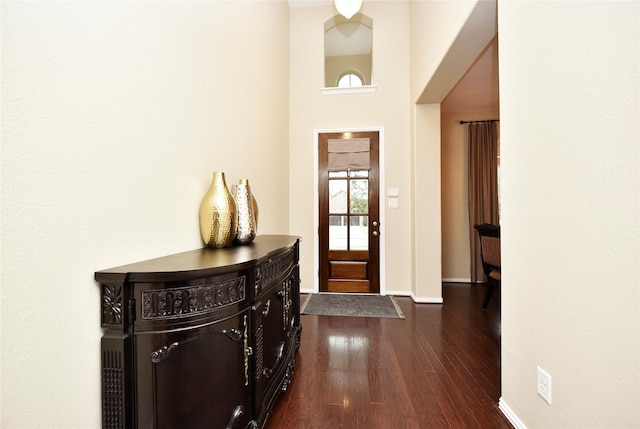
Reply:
x=438 y=368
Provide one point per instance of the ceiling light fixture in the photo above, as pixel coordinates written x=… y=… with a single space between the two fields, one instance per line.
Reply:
x=347 y=8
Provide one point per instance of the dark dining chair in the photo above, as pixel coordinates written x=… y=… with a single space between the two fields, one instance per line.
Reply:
x=490 y=253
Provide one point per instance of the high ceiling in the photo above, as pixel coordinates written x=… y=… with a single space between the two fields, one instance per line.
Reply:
x=347 y=38
x=308 y=3
x=478 y=88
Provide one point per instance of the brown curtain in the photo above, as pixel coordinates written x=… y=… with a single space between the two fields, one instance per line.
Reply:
x=483 y=186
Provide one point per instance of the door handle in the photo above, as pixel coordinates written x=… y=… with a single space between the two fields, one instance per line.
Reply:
x=268 y=372
x=375 y=233
x=375 y=223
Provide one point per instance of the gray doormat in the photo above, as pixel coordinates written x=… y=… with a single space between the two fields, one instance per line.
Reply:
x=355 y=305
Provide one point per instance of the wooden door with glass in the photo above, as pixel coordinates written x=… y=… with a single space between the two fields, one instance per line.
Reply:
x=348 y=201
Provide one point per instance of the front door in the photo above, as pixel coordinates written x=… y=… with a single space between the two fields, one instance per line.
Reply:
x=348 y=212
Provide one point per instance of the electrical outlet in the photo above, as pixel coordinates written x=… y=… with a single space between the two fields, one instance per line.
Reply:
x=544 y=385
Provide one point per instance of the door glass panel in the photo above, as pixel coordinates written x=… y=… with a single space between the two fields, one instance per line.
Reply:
x=359 y=196
x=359 y=173
x=338 y=232
x=338 y=196
x=348 y=220
x=359 y=233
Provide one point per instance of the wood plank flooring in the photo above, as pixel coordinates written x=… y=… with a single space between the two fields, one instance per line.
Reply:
x=438 y=368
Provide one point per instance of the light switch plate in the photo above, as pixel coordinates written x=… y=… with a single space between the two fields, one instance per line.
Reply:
x=543 y=384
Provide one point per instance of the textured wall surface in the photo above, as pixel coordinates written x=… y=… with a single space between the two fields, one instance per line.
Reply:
x=114 y=115
x=570 y=133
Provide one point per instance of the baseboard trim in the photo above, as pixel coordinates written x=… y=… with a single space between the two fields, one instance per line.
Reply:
x=510 y=415
x=426 y=300
x=398 y=292
x=456 y=280
x=417 y=300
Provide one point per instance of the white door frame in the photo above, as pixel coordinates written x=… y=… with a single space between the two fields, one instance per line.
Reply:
x=381 y=195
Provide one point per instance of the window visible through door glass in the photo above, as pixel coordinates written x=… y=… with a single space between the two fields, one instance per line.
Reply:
x=359 y=201
x=338 y=232
x=348 y=210
x=338 y=196
x=359 y=233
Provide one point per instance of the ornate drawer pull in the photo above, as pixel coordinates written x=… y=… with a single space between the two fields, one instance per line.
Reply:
x=237 y=413
x=268 y=372
x=248 y=351
x=163 y=353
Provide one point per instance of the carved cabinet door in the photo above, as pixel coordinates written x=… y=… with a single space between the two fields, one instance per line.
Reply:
x=274 y=316
x=195 y=378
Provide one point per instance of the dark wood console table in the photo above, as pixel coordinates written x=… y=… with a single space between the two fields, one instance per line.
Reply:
x=205 y=338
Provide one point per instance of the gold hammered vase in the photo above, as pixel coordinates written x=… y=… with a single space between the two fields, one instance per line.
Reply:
x=218 y=214
x=255 y=210
x=245 y=215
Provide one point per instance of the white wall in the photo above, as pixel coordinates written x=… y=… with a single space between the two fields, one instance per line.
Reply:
x=388 y=107
x=569 y=103
x=570 y=155
x=114 y=115
x=446 y=38
x=427 y=225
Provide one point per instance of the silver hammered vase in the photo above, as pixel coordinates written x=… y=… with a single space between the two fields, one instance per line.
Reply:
x=245 y=215
x=218 y=214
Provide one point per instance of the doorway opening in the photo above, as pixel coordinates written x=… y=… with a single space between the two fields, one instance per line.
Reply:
x=348 y=210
